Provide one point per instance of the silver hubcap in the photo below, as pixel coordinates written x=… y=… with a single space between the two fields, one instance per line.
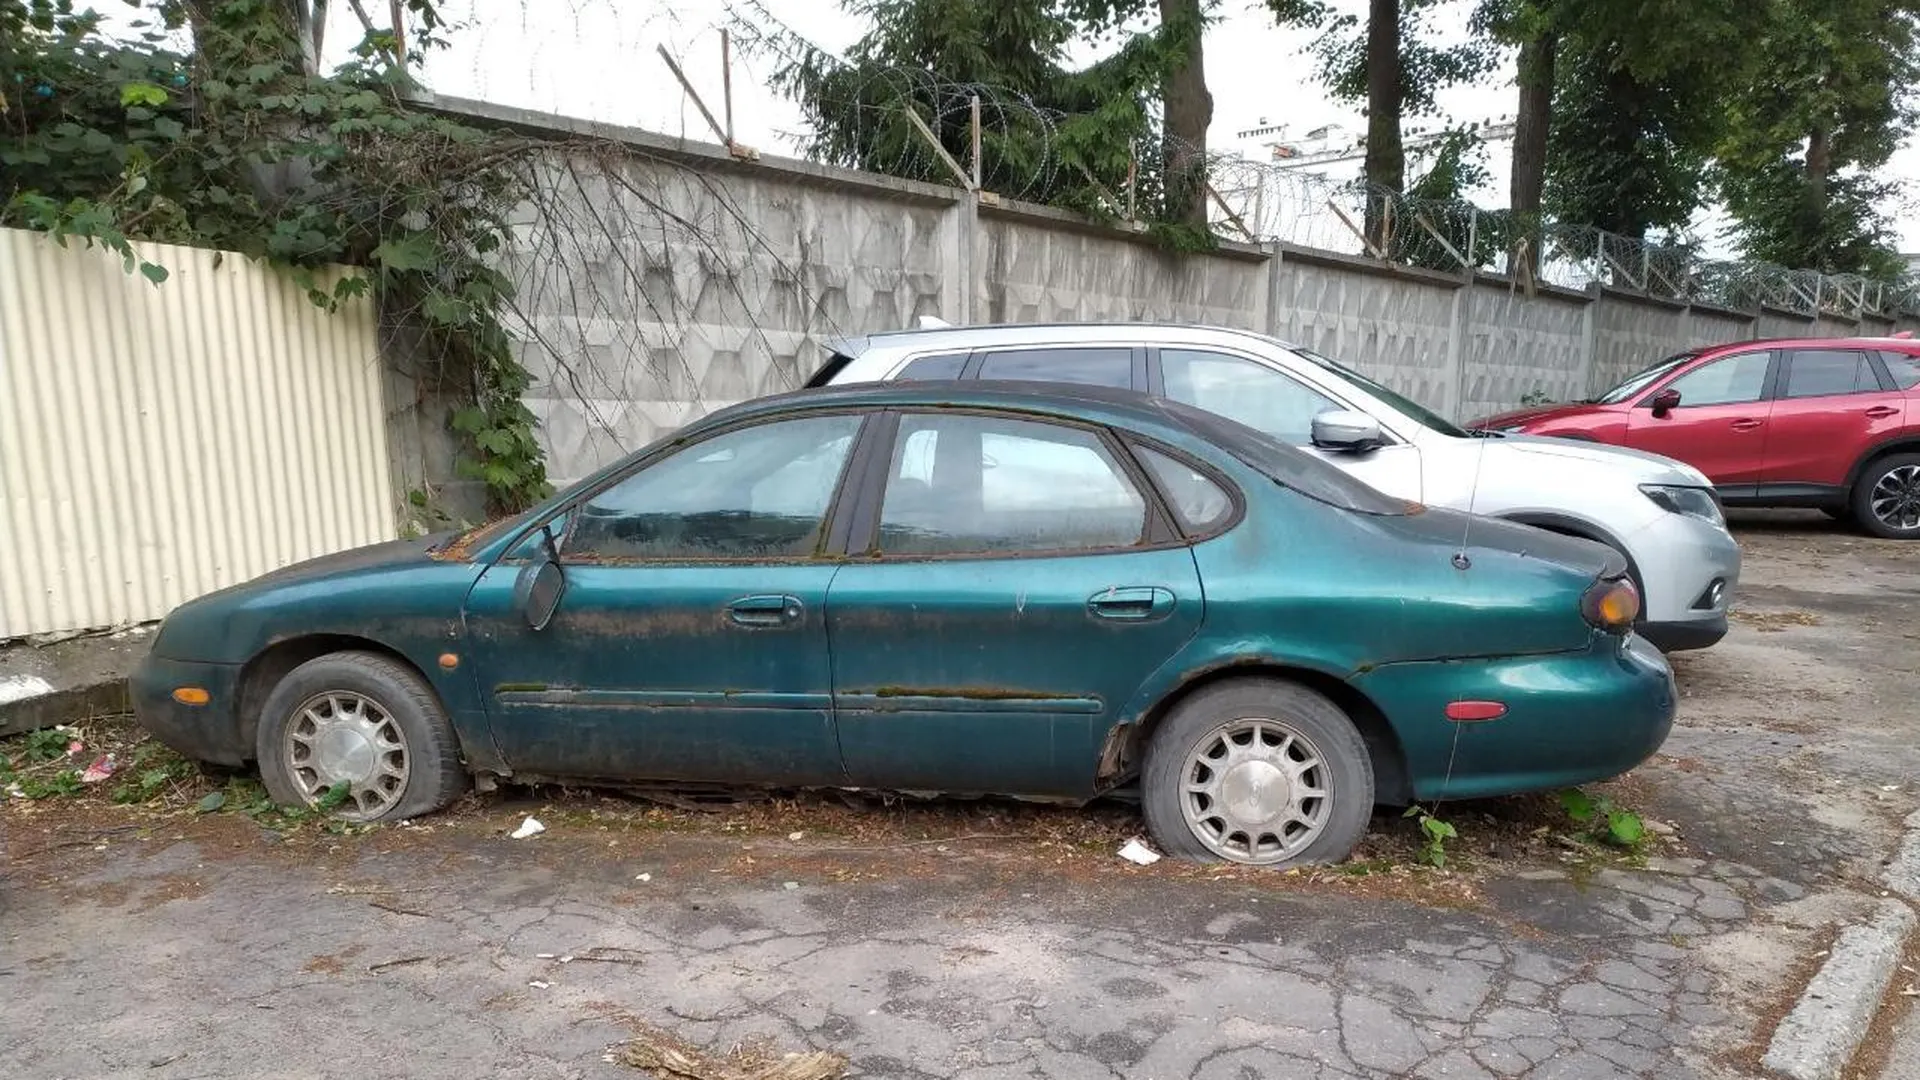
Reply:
x=343 y=737
x=1256 y=791
x=1896 y=498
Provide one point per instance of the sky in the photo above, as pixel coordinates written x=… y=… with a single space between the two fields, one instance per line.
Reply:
x=597 y=60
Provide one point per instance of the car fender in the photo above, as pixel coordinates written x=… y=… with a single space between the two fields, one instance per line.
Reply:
x=1907 y=441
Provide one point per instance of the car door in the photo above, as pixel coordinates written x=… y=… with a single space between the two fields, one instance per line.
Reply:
x=1829 y=407
x=690 y=641
x=1272 y=401
x=1021 y=583
x=1720 y=424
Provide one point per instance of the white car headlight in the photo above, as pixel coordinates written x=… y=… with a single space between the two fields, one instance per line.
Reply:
x=1692 y=501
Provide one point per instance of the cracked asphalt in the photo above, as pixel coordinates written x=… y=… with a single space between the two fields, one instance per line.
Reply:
x=203 y=946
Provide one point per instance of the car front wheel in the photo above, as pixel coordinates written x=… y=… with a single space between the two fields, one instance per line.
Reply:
x=367 y=722
x=1886 y=499
x=1258 y=771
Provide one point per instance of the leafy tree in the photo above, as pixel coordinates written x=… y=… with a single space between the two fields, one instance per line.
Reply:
x=236 y=145
x=1074 y=138
x=1390 y=63
x=1821 y=105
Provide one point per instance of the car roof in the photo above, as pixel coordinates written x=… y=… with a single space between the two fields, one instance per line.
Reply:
x=1130 y=409
x=970 y=337
x=1100 y=403
x=1865 y=341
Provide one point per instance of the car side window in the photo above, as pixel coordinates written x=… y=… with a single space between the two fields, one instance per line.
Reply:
x=1090 y=366
x=1266 y=400
x=1733 y=380
x=938 y=367
x=1904 y=367
x=759 y=492
x=981 y=485
x=1820 y=372
x=1199 y=503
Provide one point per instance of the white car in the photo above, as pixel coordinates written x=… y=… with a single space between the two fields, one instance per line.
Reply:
x=1661 y=514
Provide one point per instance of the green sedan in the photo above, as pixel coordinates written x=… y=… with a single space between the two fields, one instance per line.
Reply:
x=1041 y=591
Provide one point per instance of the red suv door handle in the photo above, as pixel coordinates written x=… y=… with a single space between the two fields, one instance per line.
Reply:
x=1744 y=424
x=1881 y=412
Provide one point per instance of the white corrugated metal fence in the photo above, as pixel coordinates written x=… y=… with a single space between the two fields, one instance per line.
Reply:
x=159 y=442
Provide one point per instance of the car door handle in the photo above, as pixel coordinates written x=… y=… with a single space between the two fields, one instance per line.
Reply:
x=762 y=611
x=1131 y=603
x=1745 y=423
x=1881 y=412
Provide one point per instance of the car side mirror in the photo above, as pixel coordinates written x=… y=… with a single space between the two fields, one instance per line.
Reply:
x=540 y=586
x=1665 y=401
x=1343 y=429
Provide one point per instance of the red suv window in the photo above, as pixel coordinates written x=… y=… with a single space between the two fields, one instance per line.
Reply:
x=1822 y=372
x=1904 y=367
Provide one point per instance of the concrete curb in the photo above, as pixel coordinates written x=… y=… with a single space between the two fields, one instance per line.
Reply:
x=1902 y=874
x=1820 y=1035
x=1824 y=1030
x=67 y=681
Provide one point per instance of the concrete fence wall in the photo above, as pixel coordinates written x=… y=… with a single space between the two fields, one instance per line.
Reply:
x=662 y=278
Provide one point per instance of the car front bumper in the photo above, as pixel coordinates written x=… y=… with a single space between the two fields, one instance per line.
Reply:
x=1571 y=717
x=1689 y=568
x=209 y=732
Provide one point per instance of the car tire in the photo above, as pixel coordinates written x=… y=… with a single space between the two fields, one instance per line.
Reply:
x=1896 y=476
x=1257 y=716
x=369 y=720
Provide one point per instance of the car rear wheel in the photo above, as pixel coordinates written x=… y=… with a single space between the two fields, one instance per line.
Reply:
x=1258 y=771
x=366 y=721
x=1886 y=498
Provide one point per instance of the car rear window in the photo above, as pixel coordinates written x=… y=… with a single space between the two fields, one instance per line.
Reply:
x=1091 y=366
x=939 y=367
x=1287 y=466
x=1904 y=367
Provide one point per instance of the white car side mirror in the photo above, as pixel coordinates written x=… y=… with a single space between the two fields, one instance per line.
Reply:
x=1343 y=429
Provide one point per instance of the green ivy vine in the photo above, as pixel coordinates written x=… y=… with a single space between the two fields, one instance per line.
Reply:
x=202 y=122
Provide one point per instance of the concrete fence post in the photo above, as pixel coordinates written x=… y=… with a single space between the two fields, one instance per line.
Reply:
x=1589 y=338
x=1276 y=267
x=1457 y=349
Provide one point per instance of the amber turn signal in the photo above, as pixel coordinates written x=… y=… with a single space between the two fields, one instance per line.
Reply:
x=1612 y=605
x=191 y=695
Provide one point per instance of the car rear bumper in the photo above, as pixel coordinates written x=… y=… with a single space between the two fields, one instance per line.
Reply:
x=1689 y=568
x=209 y=732
x=1571 y=717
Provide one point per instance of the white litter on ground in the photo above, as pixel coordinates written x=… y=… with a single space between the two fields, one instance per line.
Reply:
x=1138 y=853
x=529 y=827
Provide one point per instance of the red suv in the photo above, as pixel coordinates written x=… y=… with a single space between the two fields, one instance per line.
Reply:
x=1832 y=423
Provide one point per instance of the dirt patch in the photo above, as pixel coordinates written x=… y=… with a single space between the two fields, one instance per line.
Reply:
x=1773 y=622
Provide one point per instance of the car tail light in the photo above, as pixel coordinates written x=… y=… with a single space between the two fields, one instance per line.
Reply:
x=1611 y=605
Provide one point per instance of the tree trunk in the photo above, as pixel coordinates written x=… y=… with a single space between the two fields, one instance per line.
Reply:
x=1386 y=162
x=1188 y=112
x=1532 y=122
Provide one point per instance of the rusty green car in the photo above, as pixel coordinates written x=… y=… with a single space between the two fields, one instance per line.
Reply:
x=1040 y=591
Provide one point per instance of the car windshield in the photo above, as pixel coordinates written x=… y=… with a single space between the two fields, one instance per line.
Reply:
x=1632 y=387
x=1411 y=408
x=1286 y=465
